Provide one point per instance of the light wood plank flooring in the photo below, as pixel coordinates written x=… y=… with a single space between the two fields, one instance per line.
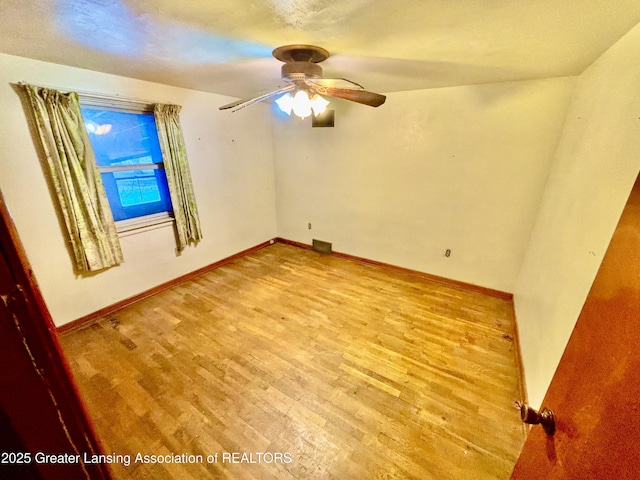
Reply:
x=349 y=371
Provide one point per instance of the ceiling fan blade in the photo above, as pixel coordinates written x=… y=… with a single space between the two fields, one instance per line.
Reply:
x=240 y=104
x=336 y=83
x=360 y=96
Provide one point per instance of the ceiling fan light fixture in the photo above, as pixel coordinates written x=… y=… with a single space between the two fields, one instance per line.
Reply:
x=318 y=104
x=301 y=105
x=285 y=103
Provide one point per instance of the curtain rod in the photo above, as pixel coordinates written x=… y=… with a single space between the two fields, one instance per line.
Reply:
x=101 y=97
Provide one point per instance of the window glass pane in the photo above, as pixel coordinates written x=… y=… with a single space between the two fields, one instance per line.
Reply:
x=122 y=138
x=135 y=193
x=136 y=187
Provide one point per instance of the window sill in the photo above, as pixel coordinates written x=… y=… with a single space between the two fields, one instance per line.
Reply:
x=137 y=225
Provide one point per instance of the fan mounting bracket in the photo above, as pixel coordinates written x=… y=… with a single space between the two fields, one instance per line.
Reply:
x=300 y=53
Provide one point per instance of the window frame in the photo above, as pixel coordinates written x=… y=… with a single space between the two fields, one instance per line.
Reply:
x=144 y=222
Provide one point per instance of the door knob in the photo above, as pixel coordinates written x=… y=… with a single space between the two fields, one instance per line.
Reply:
x=533 y=417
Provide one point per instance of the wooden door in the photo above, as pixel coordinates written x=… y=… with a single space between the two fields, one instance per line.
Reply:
x=40 y=413
x=595 y=392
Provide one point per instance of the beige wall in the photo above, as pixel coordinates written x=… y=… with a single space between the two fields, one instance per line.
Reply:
x=232 y=167
x=597 y=161
x=459 y=168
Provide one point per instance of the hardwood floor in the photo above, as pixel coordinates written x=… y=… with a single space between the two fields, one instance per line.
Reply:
x=313 y=367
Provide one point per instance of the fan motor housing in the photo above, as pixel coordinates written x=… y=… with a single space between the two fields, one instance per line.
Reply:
x=301 y=69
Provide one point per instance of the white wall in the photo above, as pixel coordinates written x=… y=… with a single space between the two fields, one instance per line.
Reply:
x=231 y=163
x=597 y=162
x=459 y=168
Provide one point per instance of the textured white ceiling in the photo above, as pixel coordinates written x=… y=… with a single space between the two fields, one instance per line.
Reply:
x=224 y=46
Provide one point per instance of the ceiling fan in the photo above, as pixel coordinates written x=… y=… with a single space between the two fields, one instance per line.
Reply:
x=306 y=86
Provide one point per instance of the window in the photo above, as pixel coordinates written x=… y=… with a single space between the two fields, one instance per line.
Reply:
x=127 y=151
